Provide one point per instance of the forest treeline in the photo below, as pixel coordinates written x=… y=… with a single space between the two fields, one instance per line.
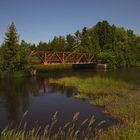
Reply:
x=116 y=46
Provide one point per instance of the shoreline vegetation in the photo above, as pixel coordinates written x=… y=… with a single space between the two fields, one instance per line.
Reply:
x=119 y=98
x=68 y=131
x=53 y=68
x=115 y=46
x=15 y=74
x=41 y=68
x=102 y=91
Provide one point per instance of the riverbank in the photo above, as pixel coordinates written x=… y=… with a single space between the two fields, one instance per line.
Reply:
x=138 y=64
x=130 y=131
x=15 y=74
x=52 y=68
x=119 y=99
x=40 y=68
x=100 y=91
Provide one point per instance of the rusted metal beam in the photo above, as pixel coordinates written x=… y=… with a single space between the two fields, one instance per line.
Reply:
x=63 y=57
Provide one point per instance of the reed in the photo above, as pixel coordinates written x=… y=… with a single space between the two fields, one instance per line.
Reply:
x=128 y=131
x=69 y=131
x=120 y=99
x=100 y=91
x=128 y=108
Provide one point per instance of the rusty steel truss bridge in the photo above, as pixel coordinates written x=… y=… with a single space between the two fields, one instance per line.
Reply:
x=47 y=57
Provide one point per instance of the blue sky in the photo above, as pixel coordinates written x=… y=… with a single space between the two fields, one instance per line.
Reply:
x=41 y=20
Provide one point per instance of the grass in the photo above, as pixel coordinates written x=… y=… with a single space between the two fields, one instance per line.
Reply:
x=119 y=99
x=138 y=64
x=129 y=131
x=15 y=74
x=101 y=91
x=127 y=108
x=53 y=67
x=69 y=131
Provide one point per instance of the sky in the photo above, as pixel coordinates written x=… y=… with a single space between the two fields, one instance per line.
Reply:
x=41 y=20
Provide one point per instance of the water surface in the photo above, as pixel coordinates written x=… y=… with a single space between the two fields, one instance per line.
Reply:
x=42 y=99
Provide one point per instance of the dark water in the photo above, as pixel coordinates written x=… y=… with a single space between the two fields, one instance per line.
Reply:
x=42 y=99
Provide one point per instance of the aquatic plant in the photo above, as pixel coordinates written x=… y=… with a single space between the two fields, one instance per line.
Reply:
x=129 y=131
x=119 y=98
x=99 y=90
x=69 y=131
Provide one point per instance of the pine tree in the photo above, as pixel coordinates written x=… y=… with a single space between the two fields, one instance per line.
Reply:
x=11 y=54
x=70 y=40
x=86 y=42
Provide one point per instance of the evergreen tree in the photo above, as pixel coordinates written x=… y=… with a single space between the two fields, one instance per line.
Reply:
x=115 y=46
x=24 y=52
x=77 y=41
x=58 y=44
x=10 y=49
x=103 y=30
x=42 y=46
x=95 y=42
x=70 y=40
x=86 y=43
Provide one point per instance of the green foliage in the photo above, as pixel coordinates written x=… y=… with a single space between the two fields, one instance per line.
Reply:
x=103 y=30
x=54 y=67
x=130 y=131
x=58 y=44
x=109 y=58
x=116 y=46
x=86 y=42
x=24 y=52
x=13 y=55
x=95 y=42
x=117 y=96
x=68 y=131
x=119 y=100
x=126 y=108
x=42 y=46
x=10 y=49
x=70 y=39
x=101 y=91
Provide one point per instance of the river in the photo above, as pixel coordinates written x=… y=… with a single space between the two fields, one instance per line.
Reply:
x=41 y=100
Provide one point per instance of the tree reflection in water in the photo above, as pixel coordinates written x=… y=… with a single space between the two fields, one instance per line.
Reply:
x=15 y=94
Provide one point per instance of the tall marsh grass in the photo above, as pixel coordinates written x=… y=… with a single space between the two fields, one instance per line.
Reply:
x=69 y=131
x=129 y=131
x=127 y=108
x=120 y=99
x=101 y=91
